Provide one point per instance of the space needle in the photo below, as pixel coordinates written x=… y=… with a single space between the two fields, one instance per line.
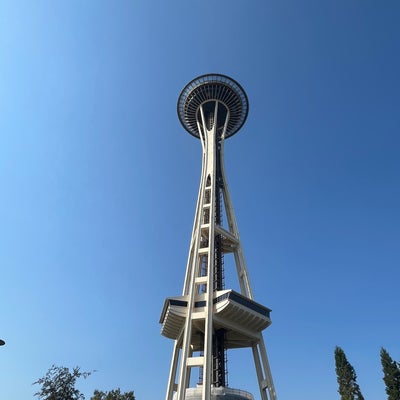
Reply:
x=209 y=320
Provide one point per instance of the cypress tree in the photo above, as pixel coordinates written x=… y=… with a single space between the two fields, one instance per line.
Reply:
x=391 y=375
x=346 y=377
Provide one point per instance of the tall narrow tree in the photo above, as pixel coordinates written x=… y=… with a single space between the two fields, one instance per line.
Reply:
x=346 y=377
x=391 y=375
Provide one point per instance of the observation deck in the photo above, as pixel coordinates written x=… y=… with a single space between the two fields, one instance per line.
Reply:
x=211 y=88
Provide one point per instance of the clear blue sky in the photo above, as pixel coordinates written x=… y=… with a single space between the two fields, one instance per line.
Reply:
x=98 y=184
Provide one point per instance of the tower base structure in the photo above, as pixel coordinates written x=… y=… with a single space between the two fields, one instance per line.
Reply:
x=218 y=393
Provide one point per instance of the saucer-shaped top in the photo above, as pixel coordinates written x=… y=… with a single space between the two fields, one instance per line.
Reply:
x=213 y=87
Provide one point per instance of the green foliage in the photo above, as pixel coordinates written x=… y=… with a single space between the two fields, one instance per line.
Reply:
x=346 y=377
x=112 y=395
x=59 y=384
x=391 y=375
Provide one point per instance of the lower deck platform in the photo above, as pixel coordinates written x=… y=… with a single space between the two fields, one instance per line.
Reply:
x=243 y=319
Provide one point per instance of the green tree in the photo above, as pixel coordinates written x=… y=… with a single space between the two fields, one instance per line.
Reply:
x=112 y=395
x=391 y=375
x=346 y=377
x=59 y=384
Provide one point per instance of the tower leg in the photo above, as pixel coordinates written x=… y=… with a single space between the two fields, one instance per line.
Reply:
x=259 y=371
x=267 y=369
x=172 y=373
x=266 y=385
